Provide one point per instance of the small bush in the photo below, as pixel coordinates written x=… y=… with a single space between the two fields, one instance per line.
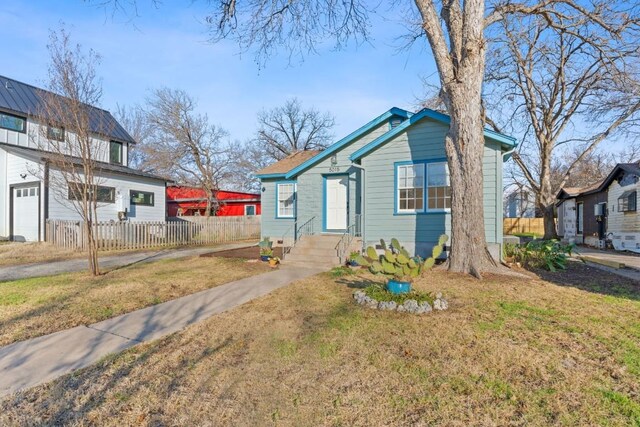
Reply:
x=380 y=294
x=551 y=255
x=342 y=271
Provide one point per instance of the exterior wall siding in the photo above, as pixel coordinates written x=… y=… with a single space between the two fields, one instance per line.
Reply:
x=310 y=182
x=272 y=227
x=60 y=207
x=419 y=232
x=621 y=221
x=35 y=138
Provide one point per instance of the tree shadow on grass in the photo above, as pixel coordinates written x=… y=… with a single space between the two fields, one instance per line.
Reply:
x=591 y=279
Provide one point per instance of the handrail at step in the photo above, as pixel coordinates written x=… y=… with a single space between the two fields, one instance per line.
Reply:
x=305 y=229
x=347 y=237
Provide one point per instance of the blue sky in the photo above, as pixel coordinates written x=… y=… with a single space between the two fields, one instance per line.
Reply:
x=168 y=46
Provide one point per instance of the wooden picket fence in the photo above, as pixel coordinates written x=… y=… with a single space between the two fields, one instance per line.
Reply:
x=142 y=235
x=523 y=225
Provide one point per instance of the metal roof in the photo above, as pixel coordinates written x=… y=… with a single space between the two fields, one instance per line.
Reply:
x=102 y=166
x=25 y=99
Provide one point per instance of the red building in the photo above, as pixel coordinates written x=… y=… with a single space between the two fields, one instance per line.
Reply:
x=191 y=201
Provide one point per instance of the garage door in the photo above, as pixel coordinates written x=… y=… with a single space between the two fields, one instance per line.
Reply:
x=26 y=213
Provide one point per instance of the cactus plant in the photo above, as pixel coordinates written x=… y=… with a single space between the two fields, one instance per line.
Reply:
x=396 y=262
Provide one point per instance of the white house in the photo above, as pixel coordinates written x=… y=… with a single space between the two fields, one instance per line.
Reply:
x=30 y=189
x=623 y=224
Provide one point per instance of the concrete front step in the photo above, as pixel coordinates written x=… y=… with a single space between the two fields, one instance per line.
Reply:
x=312 y=260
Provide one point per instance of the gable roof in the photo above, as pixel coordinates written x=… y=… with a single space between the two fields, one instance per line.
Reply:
x=22 y=98
x=281 y=167
x=102 y=166
x=300 y=167
x=632 y=168
x=505 y=141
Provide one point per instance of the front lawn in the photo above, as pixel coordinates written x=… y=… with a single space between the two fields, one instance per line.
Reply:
x=507 y=352
x=40 y=306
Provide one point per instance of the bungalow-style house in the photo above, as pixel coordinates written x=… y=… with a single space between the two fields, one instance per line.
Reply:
x=30 y=185
x=389 y=178
x=192 y=201
x=582 y=215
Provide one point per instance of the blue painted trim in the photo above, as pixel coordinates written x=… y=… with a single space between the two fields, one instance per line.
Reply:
x=348 y=139
x=425 y=192
x=506 y=141
x=270 y=175
x=324 y=201
x=295 y=199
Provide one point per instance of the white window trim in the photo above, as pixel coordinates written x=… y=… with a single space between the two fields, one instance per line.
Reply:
x=398 y=188
x=426 y=186
x=295 y=189
x=255 y=210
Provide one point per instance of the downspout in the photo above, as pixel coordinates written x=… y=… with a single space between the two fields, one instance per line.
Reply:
x=362 y=204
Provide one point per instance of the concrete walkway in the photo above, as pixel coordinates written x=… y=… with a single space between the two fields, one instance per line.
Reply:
x=28 y=363
x=107 y=262
x=632 y=262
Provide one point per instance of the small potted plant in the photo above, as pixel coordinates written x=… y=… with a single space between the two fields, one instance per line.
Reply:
x=352 y=261
x=397 y=264
x=266 y=251
x=274 y=261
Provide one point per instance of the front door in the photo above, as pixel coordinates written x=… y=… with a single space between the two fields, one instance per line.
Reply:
x=336 y=202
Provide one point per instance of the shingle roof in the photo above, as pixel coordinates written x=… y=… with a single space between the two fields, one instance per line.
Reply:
x=288 y=163
x=102 y=166
x=22 y=98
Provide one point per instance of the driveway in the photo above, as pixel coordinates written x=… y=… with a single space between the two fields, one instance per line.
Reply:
x=107 y=262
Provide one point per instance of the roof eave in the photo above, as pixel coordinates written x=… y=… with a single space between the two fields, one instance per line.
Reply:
x=395 y=111
x=505 y=141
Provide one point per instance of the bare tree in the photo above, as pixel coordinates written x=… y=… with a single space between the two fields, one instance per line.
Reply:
x=134 y=120
x=290 y=128
x=455 y=32
x=68 y=135
x=186 y=146
x=569 y=79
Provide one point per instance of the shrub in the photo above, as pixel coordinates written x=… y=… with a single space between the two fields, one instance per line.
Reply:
x=551 y=255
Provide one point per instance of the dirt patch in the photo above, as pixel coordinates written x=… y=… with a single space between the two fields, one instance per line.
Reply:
x=251 y=252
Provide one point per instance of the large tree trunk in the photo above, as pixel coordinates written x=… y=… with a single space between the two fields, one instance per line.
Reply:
x=465 y=149
x=548 y=213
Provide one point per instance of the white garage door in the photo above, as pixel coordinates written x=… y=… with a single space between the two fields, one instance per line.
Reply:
x=25 y=213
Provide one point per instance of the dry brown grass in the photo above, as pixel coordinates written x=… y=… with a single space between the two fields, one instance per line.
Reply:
x=26 y=253
x=40 y=306
x=508 y=352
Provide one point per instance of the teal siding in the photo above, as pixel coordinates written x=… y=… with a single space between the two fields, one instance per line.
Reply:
x=423 y=141
x=270 y=226
x=420 y=142
x=310 y=188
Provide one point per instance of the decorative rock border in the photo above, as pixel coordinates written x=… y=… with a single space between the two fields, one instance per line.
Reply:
x=409 y=306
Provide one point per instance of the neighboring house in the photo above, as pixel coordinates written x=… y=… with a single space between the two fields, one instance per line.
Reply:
x=582 y=214
x=520 y=203
x=192 y=201
x=623 y=222
x=28 y=195
x=387 y=179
